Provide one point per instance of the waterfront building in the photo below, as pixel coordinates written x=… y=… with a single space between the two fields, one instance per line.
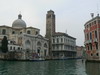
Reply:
x=80 y=52
x=60 y=44
x=92 y=38
x=63 y=46
x=25 y=41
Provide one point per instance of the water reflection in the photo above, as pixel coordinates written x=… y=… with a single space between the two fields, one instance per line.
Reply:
x=3 y=68
x=92 y=68
x=53 y=67
x=61 y=67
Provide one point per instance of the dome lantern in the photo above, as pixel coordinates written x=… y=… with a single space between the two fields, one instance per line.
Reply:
x=19 y=16
x=19 y=23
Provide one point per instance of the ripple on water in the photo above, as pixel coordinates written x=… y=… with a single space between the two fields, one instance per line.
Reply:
x=54 y=67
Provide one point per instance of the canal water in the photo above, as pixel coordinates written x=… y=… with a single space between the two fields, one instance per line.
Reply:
x=52 y=67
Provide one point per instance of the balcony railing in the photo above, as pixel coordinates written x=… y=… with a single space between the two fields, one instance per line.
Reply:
x=95 y=40
x=64 y=50
x=88 y=41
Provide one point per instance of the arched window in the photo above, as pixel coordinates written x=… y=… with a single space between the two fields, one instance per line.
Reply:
x=4 y=31
x=28 y=44
x=38 y=51
x=28 y=32
x=45 y=45
x=39 y=44
x=13 y=32
x=37 y=32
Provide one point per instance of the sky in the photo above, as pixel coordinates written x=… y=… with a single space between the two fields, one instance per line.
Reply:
x=71 y=15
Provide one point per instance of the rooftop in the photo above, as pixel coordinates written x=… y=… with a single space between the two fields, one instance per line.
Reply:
x=97 y=17
x=64 y=34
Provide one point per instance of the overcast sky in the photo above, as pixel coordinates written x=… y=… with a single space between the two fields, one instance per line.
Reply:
x=70 y=14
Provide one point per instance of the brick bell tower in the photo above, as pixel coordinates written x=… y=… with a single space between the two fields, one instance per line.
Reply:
x=50 y=28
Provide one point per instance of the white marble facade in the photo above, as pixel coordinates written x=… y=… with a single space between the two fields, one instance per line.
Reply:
x=63 y=45
x=24 y=39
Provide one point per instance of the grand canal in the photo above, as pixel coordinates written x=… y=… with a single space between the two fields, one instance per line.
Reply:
x=52 y=67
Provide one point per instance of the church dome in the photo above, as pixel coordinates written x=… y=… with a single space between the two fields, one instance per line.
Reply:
x=19 y=23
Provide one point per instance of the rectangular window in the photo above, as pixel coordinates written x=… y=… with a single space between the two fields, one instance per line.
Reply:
x=90 y=36
x=48 y=16
x=87 y=37
x=61 y=47
x=57 y=40
x=94 y=22
x=90 y=24
x=57 y=47
x=88 y=47
x=11 y=48
x=45 y=52
x=53 y=40
x=95 y=34
x=87 y=26
x=91 y=46
x=98 y=21
x=53 y=47
x=96 y=45
x=14 y=48
x=61 y=40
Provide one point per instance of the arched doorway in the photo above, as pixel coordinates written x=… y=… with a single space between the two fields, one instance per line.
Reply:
x=39 y=51
x=39 y=48
x=28 y=48
x=28 y=45
x=45 y=49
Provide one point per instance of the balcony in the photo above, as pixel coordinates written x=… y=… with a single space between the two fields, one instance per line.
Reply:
x=95 y=40
x=88 y=41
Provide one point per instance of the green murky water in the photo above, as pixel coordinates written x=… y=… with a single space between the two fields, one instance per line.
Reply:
x=53 y=67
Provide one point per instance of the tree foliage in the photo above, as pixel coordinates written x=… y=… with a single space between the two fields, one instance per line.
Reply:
x=4 y=45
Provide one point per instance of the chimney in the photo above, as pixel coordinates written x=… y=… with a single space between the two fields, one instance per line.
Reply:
x=92 y=15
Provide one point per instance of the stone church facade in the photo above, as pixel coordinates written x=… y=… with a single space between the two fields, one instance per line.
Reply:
x=25 y=41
